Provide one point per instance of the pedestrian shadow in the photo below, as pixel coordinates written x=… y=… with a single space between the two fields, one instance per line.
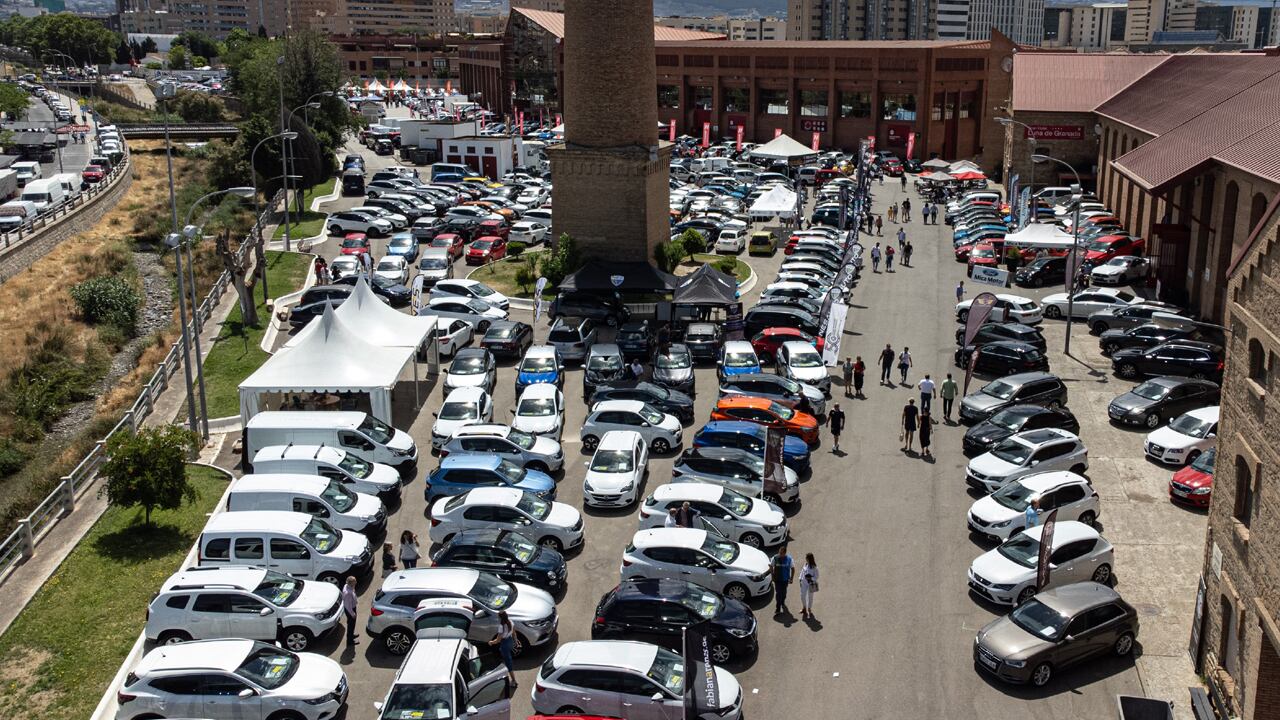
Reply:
x=839 y=453
x=813 y=623
x=785 y=619
x=929 y=458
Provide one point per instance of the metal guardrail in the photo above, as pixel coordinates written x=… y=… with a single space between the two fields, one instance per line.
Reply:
x=140 y=131
x=26 y=230
x=21 y=543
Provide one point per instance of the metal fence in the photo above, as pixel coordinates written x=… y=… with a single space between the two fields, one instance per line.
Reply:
x=21 y=543
x=24 y=232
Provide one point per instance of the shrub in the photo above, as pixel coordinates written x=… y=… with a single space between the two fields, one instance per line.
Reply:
x=527 y=274
x=692 y=242
x=515 y=248
x=148 y=468
x=12 y=457
x=726 y=265
x=562 y=261
x=108 y=301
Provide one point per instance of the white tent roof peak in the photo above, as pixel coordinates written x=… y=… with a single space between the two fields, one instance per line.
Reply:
x=376 y=322
x=783 y=147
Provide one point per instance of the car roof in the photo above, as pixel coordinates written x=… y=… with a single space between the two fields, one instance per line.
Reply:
x=484 y=429
x=614 y=405
x=431 y=661
x=1044 y=435
x=322 y=453
x=738 y=346
x=224 y=655
x=1028 y=377
x=721 y=453
x=504 y=496
x=456 y=579
x=619 y=440
x=469 y=352
x=469 y=393
x=1210 y=414
x=258 y=521
x=539 y=391
x=653 y=588
x=470 y=462
x=246 y=577
x=604 y=349
x=669 y=537
x=1014 y=344
x=629 y=654
x=689 y=491
x=701 y=327
x=487 y=537
x=1065 y=531
x=799 y=346
x=1040 y=482
x=743 y=401
x=1071 y=599
x=733 y=426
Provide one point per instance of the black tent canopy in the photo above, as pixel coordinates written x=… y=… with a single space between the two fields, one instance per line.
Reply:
x=606 y=276
x=706 y=286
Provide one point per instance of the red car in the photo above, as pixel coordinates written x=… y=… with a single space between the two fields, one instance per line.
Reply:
x=893 y=168
x=486 y=250
x=767 y=341
x=494 y=228
x=93 y=174
x=355 y=244
x=1193 y=484
x=984 y=254
x=1100 y=250
x=451 y=242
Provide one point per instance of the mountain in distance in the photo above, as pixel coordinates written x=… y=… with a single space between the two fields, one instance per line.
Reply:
x=711 y=8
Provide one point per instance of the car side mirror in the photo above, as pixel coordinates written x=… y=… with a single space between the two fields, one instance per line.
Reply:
x=657 y=697
x=436 y=414
x=378 y=706
x=481 y=612
x=471 y=710
x=265 y=611
x=1069 y=638
x=726 y=517
x=247 y=693
x=1035 y=463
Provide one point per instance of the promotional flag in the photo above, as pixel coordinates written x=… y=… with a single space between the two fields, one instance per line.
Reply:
x=911 y=144
x=871 y=143
x=1013 y=186
x=448 y=87
x=834 y=331
x=816 y=138
x=979 y=311
x=1024 y=208
x=706 y=134
x=844 y=206
x=775 y=473
x=701 y=689
x=520 y=120
x=777 y=132
x=1046 y=548
x=968 y=371
x=559 y=119
x=740 y=132
x=366 y=262
x=671 y=131
x=538 y=287
x=418 y=284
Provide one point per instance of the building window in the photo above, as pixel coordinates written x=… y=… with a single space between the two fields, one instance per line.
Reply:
x=471 y=150
x=1257 y=362
x=968 y=105
x=935 y=112
x=813 y=103
x=855 y=104
x=703 y=97
x=488 y=151
x=898 y=107
x=1244 y=492
x=774 y=102
x=668 y=96
x=668 y=60
x=1256 y=209
x=736 y=99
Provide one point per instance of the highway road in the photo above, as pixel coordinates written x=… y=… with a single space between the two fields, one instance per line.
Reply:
x=74 y=156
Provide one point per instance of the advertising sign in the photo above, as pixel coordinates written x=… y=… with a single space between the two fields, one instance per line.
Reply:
x=740 y=131
x=701 y=688
x=979 y=311
x=538 y=302
x=834 y=331
x=1054 y=132
x=817 y=137
x=733 y=324
x=990 y=276
x=813 y=124
x=706 y=134
x=775 y=473
x=897 y=134
x=911 y=144
x=1046 y=548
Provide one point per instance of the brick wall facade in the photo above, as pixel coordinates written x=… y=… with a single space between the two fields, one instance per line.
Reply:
x=1082 y=153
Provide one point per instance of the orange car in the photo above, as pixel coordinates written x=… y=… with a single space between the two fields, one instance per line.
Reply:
x=493 y=207
x=768 y=413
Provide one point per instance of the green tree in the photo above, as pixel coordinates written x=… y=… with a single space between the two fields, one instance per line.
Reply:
x=562 y=261
x=13 y=101
x=199 y=43
x=197 y=107
x=178 y=57
x=147 y=468
x=83 y=39
x=692 y=242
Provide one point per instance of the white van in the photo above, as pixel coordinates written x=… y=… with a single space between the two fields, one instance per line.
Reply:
x=27 y=171
x=359 y=475
x=316 y=496
x=360 y=433
x=70 y=183
x=289 y=542
x=15 y=213
x=711 y=164
x=47 y=194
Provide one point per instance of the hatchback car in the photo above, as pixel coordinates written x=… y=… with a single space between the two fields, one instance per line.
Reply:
x=767 y=342
x=617 y=470
x=471 y=367
x=572 y=336
x=1015 y=419
x=740 y=470
x=659 y=611
x=474 y=289
x=1153 y=401
x=671 y=402
x=608 y=309
x=540 y=411
x=543 y=454
x=1187 y=358
x=737 y=357
x=506 y=553
x=736 y=570
x=995 y=332
x=1033 y=388
x=485 y=250
x=1002 y=357
x=548 y=523
x=508 y=339
x=800 y=361
x=462 y=473
x=769 y=414
x=1185 y=438
x=660 y=431
x=778 y=389
x=1055 y=629
x=704 y=341
x=1006 y=575
x=1033 y=451
x=752 y=438
x=767 y=316
x=1002 y=514
x=1193 y=484
x=443 y=675
x=1007 y=308
x=673 y=368
x=1042 y=271
x=603 y=364
x=541 y=364
x=737 y=516
x=463 y=406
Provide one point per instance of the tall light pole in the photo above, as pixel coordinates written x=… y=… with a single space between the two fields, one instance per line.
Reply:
x=1007 y=122
x=284 y=152
x=1077 y=195
x=257 y=210
x=292 y=165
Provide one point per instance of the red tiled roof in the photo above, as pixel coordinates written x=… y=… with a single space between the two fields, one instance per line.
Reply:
x=553 y=22
x=1185 y=86
x=1074 y=82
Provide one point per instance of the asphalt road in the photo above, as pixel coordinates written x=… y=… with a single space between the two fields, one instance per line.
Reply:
x=74 y=156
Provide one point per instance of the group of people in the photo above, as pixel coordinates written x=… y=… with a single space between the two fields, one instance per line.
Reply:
x=782 y=567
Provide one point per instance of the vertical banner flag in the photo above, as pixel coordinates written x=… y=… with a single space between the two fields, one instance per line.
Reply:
x=520 y=121
x=834 y=330
x=911 y=144
x=1024 y=208
x=448 y=87
x=1074 y=261
x=559 y=119
x=979 y=311
x=1046 y=548
x=775 y=473
x=871 y=140
x=777 y=132
x=671 y=131
x=816 y=138
x=844 y=206
x=1013 y=186
x=538 y=289
x=733 y=322
x=706 y=134
x=741 y=128
x=701 y=688
x=418 y=284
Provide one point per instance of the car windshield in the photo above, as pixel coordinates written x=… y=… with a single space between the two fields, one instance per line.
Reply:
x=651 y=416
x=278 y=589
x=482 y=290
x=321 y=536
x=482 y=244
x=674 y=360
x=668 y=671
x=806 y=360
x=534 y=507
x=338 y=497
x=467 y=365
x=442 y=242
x=1039 y=619
x=355 y=467
x=433 y=264
x=492 y=592
x=999 y=389
x=1151 y=391
x=1012 y=452
x=701 y=601
x=1014 y=496
x=1021 y=549
x=536 y=407
x=722 y=550
x=700 y=335
x=377 y=430
x=1100 y=245
x=523 y=440
x=511 y=471
x=519 y=546
x=1191 y=426
x=735 y=502
x=268 y=667
x=1011 y=420
x=781 y=411
x=353 y=243
x=612 y=461
x=416 y=702
x=740 y=359
x=538 y=365
x=477 y=306
x=1204 y=463
x=605 y=362
x=459 y=411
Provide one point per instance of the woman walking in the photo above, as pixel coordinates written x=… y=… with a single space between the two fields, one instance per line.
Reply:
x=910 y=413
x=859 y=374
x=926 y=430
x=808 y=585
x=506 y=642
x=409 y=551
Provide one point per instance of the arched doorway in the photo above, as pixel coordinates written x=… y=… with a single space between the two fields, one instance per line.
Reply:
x=1256 y=208
x=1225 y=238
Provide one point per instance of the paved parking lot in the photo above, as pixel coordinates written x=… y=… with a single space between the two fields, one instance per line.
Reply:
x=895 y=623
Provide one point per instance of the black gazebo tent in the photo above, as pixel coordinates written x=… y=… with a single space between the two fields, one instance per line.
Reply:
x=622 y=277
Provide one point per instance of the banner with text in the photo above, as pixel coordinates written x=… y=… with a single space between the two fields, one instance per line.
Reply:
x=911 y=144
x=739 y=138
x=1046 y=550
x=671 y=131
x=701 y=687
x=834 y=330
x=990 y=276
x=817 y=137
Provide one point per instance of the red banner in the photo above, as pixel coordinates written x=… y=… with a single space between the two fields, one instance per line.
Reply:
x=871 y=139
x=911 y=144
x=1054 y=132
x=671 y=131
x=520 y=121
x=559 y=119
x=706 y=134
x=777 y=132
x=817 y=137
x=740 y=129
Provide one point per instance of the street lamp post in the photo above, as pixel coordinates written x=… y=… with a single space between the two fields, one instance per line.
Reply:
x=284 y=152
x=1077 y=195
x=1008 y=122
x=292 y=164
x=257 y=210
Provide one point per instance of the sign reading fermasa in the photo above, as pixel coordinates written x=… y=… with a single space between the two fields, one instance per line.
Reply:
x=1055 y=132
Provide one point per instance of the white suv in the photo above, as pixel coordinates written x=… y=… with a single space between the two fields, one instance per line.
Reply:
x=1008 y=308
x=661 y=432
x=243 y=602
x=733 y=569
x=1002 y=514
x=1034 y=451
x=750 y=521
x=617 y=470
x=232 y=680
x=442 y=677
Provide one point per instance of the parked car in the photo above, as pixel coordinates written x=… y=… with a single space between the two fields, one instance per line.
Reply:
x=767 y=413
x=737 y=516
x=1006 y=575
x=548 y=523
x=1151 y=402
x=467 y=288
x=1015 y=419
x=341 y=223
x=604 y=364
x=1002 y=357
x=752 y=438
x=508 y=339
x=1187 y=358
x=659 y=611
x=1185 y=438
x=1024 y=453
x=673 y=369
x=767 y=341
x=778 y=389
x=443 y=673
x=996 y=331
x=479 y=314
x=1041 y=272
x=1034 y=388
x=355 y=243
x=535 y=452
x=1193 y=484
x=1142 y=337
x=508 y=554
x=394 y=293
x=739 y=469
x=572 y=337
x=1139 y=313
x=462 y=406
x=1007 y=308
x=603 y=308
x=703 y=340
x=461 y=473
x=451 y=336
x=1120 y=270
x=800 y=361
x=1002 y=514
x=736 y=570
x=540 y=411
x=737 y=357
x=486 y=249
x=660 y=431
x=636 y=340
x=313 y=302
x=617 y=469
x=471 y=367
x=1086 y=302
x=540 y=364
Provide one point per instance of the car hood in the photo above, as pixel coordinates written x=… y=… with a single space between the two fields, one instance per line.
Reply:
x=352 y=545
x=531 y=603
x=1131 y=401
x=608 y=480
x=991 y=511
x=998 y=569
x=671 y=424
x=1108 y=269
x=1192 y=477
x=316 y=597
x=808 y=375
x=735 y=614
x=981 y=402
x=316 y=676
x=383 y=476
x=728 y=687
x=986 y=433
x=673 y=375
x=749 y=370
x=766 y=515
x=401 y=441
x=531 y=378
x=1170 y=438
x=751 y=560
x=539 y=424
x=545 y=447
x=991 y=466
x=1109 y=334
x=454 y=380
x=563 y=515
x=546 y=560
x=1008 y=641
x=1127 y=354
x=536 y=482
x=366 y=507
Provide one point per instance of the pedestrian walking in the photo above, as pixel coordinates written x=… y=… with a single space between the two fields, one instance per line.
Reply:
x=910 y=413
x=686 y=515
x=388 y=560
x=859 y=373
x=506 y=642
x=927 y=393
x=948 y=396
x=875 y=256
x=960 y=292
x=893 y=212
x=349 y=609
x=888 y=258
x=904 y=363
x=907 y=249
x=935 y=214
x=924 y=212
x=808 y=585
x=902 y=238
x=781 y=566
x=879 y=225
x=881 y=176
x=886 y=363
x=835 y=419
x=926 y=433
x=1032 y=514
x=903 y=176
x=410 y=553
x=906 y=210
x=847 y=368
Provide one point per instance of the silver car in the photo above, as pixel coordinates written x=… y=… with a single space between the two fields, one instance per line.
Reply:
x=527 y=450
x=661 y=432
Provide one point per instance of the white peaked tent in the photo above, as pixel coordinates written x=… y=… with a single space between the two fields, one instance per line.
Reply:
x=785 y=148
x=329 y=356
x=376 y=322
x=960 y=166
x=401 y=86
x=1040 y=235
x=375 y=86
x=778 y=201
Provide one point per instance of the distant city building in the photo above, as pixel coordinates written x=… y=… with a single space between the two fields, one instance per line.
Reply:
x=428 y=17
x=860 y=19
x=732 y=28
x=1057 y=26
x=823 y=19
x=1252 y=25
x=1145 y=18
x=1100 y=26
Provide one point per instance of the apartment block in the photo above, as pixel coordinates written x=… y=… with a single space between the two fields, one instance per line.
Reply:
x=1145 y=18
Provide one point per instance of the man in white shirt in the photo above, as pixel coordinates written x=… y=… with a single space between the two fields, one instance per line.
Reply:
x=927 y=393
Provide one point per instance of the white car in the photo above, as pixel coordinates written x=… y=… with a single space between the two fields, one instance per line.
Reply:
x=1002 y=514
x=540 y=411
x=624 y=678
x=1006 y=575
x=242 y=680
x=1086 y=302
x=472 y=367
x=1019 y=455
x=750 y=521
x=394 y=268
x=1120 y=270
x=530 y=232
x=341 y=223
x=550 y=524
x=1007 y=307
x=617 y=470
x=528 y=451
x=442 y=676
x=343 y=266
x=398 y=221
x=1185 y=438
x=801 y=362
x=542 y=215
x=464 y=406
x=452 y=335
x=661 y=432
x=479 y=314
x=731 y=240
x=462 y=287
x=732 y=569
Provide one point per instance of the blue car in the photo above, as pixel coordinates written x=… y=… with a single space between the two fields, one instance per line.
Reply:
x=403 y=244
x=460 y=473
x=966 y=232
x=540 y=364
x=737 y=357
x=751 y=437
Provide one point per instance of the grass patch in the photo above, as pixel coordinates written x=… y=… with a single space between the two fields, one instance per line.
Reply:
x=309 y=225
x=237 y=352
x=741 y=270
x=501 y=276
x=64 y=648
x=315 y=191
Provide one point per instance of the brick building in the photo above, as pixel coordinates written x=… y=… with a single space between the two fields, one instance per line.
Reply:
x=417 y=59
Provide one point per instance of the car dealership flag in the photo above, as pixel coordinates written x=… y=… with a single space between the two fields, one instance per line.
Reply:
x=419 y=283
x=777 y=132
x=1046 y=550
x=775 y=473
x=911 y=144
x=671 y=131
x=706 y=134
x=701 y=688
x=740 y=131
x=834 y=329
x=538 y=288
x=817 y=137
x=979 y=311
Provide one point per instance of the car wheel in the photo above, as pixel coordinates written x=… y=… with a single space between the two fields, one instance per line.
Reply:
x=589 y=443
x=1088 y=518
x=752 y=539
x=551 y=542
x=1026 y=594
x=1042 y=674
x=540 y=467
x=737 y=591
x=569 y=710
x=1124 y=645
x=331 y=578
x=482 y=326
x=286 y=715
x=1103 y=574
x=1127 y=370
x=1052 y=312
x=720 y=653
x=1191 y=456
x=1078 y=468
x=1099 y=327
x=661 y=446
x=963 y=316
x=173 y=637
x=1152 y=420
x=1037 y=282
x=296 y=639
x=397 y=641
x=1198 y=376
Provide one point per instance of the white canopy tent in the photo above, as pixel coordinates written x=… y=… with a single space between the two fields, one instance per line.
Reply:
x=377 y=323
x=328 y=357
x=784 y=148
x=1040 y=236
x=960 y=166
x=778 y=201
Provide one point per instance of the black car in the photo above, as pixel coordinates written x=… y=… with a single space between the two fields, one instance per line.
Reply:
x=509 y=555
x=912 y=166
x=704 y=341
x=1142 y=337
x=1035 y=388
x=995 y=332
x=1042 y=271
x=314 y=301
x=1183 y=358
x=635 y=339
x=1003 y=357
x=671 y=402
x=463 y=227
x=608 y=308
x=508 y=339
x=990 y=432
x=812 y=307
x=396 y=295
x=767 y=316
x=1158 y=399
x=658 y=611
x=784 y=391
